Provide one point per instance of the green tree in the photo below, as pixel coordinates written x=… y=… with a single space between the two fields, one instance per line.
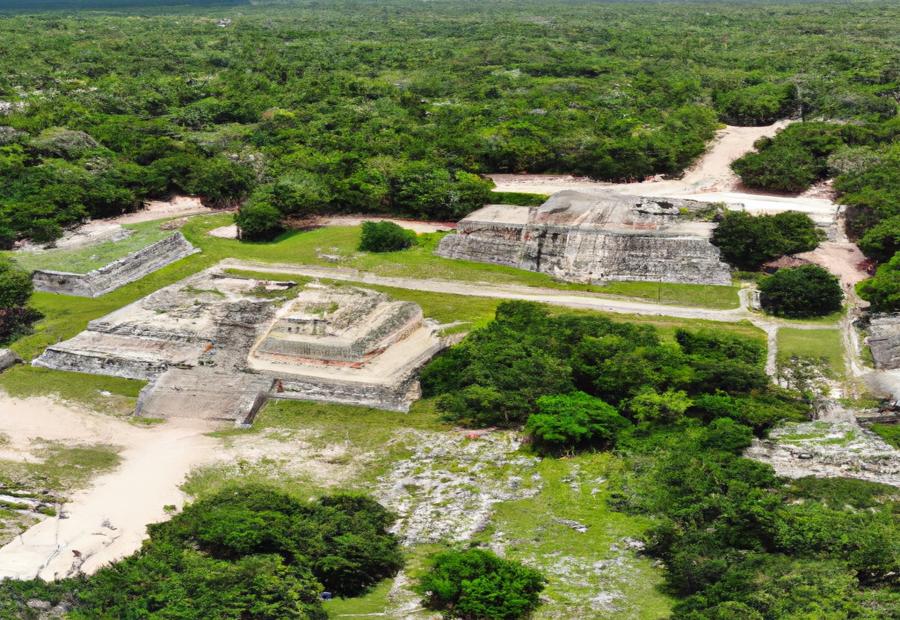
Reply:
x=803 y=291
x=258 y=221
x=882 y=241
x=476 y=584
x=574 y=421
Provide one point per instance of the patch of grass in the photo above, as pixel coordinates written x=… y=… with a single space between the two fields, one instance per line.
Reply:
x=539 y=531
x=889 y=432
x=668 y=293
x=523 y=199
x=83 y=260
x=816 y=343
x=61 y=468
x=97 y=392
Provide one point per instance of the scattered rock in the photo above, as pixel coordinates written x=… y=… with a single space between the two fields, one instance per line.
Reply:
x=8 y=358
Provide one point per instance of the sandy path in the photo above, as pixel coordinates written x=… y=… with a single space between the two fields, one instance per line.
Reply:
x=106 y=521
x=416 y=225
x=160 y=209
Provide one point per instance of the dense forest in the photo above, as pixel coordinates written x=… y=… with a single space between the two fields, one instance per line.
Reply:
x=738 y=541
x=398 y=106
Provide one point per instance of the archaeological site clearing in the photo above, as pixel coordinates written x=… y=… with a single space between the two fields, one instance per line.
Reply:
x=218 y=344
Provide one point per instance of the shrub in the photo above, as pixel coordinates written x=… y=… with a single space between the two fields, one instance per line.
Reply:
x=258 y=221
x=572 y=421
x=478 y=585
x=385 y=237
x=747 y=241
x=883 y=289
x=15 y=290
x=801 y=292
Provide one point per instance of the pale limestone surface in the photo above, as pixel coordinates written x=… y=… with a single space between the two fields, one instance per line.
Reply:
x=596 y=238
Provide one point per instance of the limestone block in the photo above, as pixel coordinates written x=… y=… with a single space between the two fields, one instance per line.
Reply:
x=884 y=340
x=596 y=238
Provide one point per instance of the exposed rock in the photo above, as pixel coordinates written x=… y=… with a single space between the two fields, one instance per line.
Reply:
x=118 y=273
x=828 y=449
x=445 y=492
x=62 y=142
x=884 y=340
x=8 y=358
x=8 y=135
x=596 y=238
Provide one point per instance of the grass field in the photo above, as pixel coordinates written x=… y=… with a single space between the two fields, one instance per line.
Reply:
x=823 y=344
x=83 y=260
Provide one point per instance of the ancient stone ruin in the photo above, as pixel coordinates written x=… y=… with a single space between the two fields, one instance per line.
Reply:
x=8 y=359
x=118 y=273
x=217 y=345
x=884 y=340
x=596 y=238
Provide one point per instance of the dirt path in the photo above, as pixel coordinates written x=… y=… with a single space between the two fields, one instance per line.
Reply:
x=106 y=521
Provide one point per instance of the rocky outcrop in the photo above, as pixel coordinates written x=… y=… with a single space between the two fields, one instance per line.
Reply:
x=7 y=359
x=596 y=238
x=118 y=273
x=884 y=340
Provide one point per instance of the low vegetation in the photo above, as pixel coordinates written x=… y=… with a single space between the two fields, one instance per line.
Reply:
x=883 y=290
x=385 y=237
x=800 y=292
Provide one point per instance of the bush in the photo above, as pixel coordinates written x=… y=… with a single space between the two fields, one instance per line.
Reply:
x=574 y=421
x=15 y=291
x=258 y=221
x=385 y=237
x=801 y=292
x=883 y=289
x=478 y=585
x=747 y=241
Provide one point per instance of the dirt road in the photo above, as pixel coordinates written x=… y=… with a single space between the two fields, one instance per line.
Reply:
x=106 y=521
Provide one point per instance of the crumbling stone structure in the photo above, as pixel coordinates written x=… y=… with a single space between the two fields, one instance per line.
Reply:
x=596 y=238
x=217 y=346
x=118 y=273
x=884 y=340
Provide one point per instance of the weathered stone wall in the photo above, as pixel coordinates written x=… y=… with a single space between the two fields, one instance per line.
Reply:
x=884 y=340
x=118 y=273
x=596 y=239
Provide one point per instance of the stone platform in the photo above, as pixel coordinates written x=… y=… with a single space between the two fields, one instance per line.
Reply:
x=596 y=238
x=217 y=345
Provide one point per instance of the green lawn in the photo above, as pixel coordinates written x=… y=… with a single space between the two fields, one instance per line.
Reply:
x=308 y=247
x=818 y=343
x=83 y=260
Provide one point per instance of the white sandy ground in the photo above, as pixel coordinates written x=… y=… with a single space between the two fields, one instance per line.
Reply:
x=107 y=520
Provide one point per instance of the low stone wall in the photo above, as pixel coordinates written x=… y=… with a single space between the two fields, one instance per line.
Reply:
x=884 y=340
x=118 y=273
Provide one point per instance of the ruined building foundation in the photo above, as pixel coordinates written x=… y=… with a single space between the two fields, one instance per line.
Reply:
x=218 y=345
x=596 y=238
